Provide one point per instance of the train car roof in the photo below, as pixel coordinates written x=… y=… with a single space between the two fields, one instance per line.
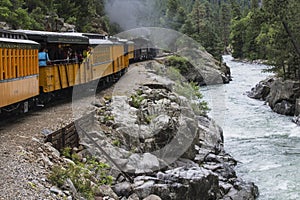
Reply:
x=7 y=36
x=94 y=38
x=12 y=34
x=89 y=35
x=126 y=41
x=99 y=41
x=19 y=41
x=55 y=37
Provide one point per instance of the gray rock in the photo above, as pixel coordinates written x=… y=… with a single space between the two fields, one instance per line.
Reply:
x=261 y=90
x=67 y=160
x=282 y=90
x=144 y=190
x=54 y=151
x=56 y=190
x=182 y=183
x=297 y=107
x=284 y=107
x=152 y=197
x=133 y=197
x=247 y=191
x=225 y=187
x=283 y=95
x=143 y=163
x=46 y=160
x=296 y=119
x=105 y=190
x=160 y=123
x=210 y=134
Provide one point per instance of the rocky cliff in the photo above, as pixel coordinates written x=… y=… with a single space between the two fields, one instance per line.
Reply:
x=204 y=69
x=281 y=95
x=149 y=127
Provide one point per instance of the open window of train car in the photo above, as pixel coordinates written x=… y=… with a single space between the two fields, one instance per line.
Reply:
x=62 y=47
x=65 y=53
x=19 y=69
x=100 y=60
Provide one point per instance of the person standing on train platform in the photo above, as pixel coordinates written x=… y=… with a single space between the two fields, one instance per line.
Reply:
x=43 y=57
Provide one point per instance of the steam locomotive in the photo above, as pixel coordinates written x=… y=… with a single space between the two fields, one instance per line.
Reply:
x=75 y=59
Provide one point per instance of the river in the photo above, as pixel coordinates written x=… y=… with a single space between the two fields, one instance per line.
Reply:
x=266 y=144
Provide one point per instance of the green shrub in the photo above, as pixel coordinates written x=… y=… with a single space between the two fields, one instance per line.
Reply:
x=67 y=152
x=82 y=175
x=107 y=97
x=136 y=100
x=180 y=63
x=192 y=92
x=116 y=142
x=174 y=74
x=149 y=118
x=108 y=118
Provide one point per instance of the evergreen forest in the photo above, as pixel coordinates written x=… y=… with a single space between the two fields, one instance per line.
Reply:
x=86 y=16
x=249 y=29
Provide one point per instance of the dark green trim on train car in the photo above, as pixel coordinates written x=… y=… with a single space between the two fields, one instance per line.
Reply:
x=67 y=39
x=13 y=45
x=19 y=78
x=58 y=39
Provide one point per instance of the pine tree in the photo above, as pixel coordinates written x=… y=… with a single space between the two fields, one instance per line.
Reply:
x=281 y=36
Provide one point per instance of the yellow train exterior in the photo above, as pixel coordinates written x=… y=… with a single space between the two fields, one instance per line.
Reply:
x=19 y=70
x=21 y=77
x=105 y=58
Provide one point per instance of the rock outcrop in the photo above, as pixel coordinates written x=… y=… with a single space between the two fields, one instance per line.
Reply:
x=281 y=95
x=204 y=69
x=153 y=135
x=211 y=70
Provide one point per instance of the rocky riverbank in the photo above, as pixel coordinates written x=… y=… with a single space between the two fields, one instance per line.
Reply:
x=153 y=128
x=283 y=96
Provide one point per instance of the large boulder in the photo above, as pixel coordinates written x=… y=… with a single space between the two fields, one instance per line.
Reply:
x=206 y=67
x=261 y=90
x=280 y=94
x=180 y=183
x=283 y=95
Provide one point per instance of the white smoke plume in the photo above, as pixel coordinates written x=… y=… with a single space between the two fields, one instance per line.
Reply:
x=131 y=14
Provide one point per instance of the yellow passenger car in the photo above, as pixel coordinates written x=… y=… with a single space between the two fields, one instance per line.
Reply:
x=118 y=57
x=128 y=51
x=66 y=59
x=77 y=58
x=19 y=70
x=101 y=59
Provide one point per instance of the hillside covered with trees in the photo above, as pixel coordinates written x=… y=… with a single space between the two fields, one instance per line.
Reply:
x=51 y=15
x=269 y=31
x=250 y=29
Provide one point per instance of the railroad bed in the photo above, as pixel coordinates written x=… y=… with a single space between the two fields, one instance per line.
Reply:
x=21 y=177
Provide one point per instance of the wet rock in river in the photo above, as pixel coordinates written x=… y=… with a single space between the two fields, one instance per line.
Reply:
x=181 y=183
x=281 y=95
